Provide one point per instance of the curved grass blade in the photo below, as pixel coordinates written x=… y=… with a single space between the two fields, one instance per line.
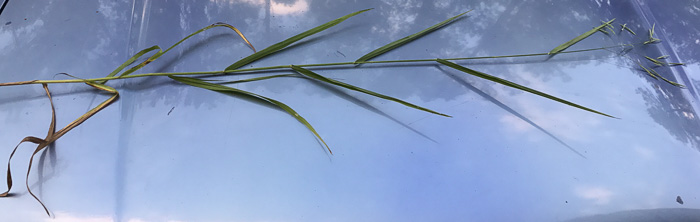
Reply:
x=318 y=77
x=573 y=41
x=129 y=61
x=41 y=144
x=54 y=135
x=225 y=89
x=515 y=85
x=161 y=52
x=281 y=45
x=407 y=39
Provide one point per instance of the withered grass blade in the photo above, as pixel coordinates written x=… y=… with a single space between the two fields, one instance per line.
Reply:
x=52 y=136
x=41 y=144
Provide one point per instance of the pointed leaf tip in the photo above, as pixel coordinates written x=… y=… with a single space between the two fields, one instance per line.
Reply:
x=313 y=75
x=515 y=85
x=573 y=41
x=283 y=44
x=407 y=39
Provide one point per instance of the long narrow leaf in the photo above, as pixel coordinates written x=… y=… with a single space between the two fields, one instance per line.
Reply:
x=129 y=61
x=225 y=89
x=573 y=41
x=161 y=52
x=655 y=74
x=407 y=39
x=257 y=79
x=515 y=85
x=318 y=77
x=281 y=45
x=648 y=72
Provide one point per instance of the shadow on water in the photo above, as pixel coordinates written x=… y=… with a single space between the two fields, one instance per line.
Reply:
x=337 y=92
x=506 y=108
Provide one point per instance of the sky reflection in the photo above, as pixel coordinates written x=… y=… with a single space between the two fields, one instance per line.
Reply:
x=178 y=153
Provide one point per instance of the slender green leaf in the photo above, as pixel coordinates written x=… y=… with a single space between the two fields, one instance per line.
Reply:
x=129 y=61
x=624 y=27
x=667 y=80
x=161 y=52
x=407 y=39
x=656 y=76
x=255 y=79
x=609 y=26
x=321 y=78
x=225 y=89
x=662 y=57
x=648 y=72
x=651 y=36
x=515 y=85
x=656 y=62
x=281 y=45
x=573 y=41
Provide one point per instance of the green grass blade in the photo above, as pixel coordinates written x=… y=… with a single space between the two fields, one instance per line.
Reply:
x=656 y=76
x=129 y=61
x=648 y=72
x=668 y=81
x=624 y=27
x=225 y=89
x=256 y=79
x=407 y=39
x=573 y=41
x=515 y=85
x=161 y=52
x=656 y=62
x=651 y=36
x=318 y=77
x=281 y=45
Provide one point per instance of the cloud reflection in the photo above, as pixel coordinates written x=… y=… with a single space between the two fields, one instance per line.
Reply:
x=599 y=195
x=276 y=7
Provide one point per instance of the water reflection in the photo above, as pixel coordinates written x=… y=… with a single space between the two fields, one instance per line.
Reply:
x=494 y=28
x=669 y=109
